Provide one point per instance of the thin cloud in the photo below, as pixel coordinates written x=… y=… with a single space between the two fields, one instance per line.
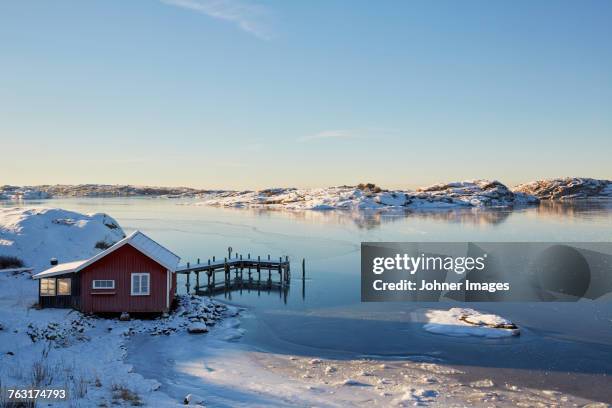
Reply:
x=329 y=134
x=247 y=16
x=347 y=134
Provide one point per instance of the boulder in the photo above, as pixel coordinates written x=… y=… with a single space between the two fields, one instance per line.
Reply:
x=197 y=328
x=194 y=400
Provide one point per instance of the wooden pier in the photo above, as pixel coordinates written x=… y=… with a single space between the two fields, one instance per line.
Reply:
x=237 y=272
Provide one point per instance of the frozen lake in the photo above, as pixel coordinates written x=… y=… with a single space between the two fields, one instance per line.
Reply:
x=563 y=346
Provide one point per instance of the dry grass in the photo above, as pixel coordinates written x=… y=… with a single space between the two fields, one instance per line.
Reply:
x=121 y=392
x=42 y=374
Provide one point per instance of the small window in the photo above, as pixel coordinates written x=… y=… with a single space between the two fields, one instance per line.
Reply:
x=140 y=284
x=63 y=287
x=47 y=287
x=103 y=284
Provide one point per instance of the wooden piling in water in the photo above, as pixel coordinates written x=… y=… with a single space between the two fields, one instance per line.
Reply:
x=237 y=264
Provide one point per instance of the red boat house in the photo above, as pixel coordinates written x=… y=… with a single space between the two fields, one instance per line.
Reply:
x=135 y=275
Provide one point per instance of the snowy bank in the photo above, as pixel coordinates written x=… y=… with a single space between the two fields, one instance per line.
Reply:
x=460 y=322
x=569 y=188
x=35 y=235
x=465 y=194
x=62 y=348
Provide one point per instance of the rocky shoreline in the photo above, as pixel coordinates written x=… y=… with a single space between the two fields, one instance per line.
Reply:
x=471 y=193
x=570 y=188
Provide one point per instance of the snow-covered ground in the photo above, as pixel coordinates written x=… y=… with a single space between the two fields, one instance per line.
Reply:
x=63 y=349
x=224 y=372
x=35 y=235
x=465 y=194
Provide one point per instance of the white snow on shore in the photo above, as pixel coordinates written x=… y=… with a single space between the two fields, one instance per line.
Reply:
x=61 y=348
x=35 y=235
x=466 y=194
x=462 y=322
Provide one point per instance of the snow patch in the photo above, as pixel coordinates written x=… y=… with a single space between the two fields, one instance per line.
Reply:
x=461 y=322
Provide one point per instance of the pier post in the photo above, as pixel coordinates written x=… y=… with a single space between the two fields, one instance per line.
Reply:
x=226 y=272
x=303 y=268
x=280 y=273
x=197 y=287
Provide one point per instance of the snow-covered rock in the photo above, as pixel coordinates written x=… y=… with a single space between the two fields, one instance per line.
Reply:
x=35 y=235
x=475 y=193
x=197 y=328
x=192 y=399
x=478 y=193
x=567 y=188
x=461 y=322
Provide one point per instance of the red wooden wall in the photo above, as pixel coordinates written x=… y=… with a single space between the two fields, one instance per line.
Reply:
x=119 y=265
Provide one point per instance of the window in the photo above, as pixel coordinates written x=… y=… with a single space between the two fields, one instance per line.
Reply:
x=140 y=284
x=103 y=284
x=47 y=287
x=63 y=286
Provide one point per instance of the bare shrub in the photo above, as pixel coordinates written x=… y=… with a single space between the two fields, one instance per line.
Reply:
x=7 y=262
x=371 y=187
x=102 y=245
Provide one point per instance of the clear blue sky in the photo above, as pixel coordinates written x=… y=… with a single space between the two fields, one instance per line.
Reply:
x=249 y=94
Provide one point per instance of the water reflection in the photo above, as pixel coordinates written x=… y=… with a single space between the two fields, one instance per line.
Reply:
x=372 y=219
x=577 y=208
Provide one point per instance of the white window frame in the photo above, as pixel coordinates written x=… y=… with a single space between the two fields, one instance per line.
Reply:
x=140 y=275
x=57 y=287
x=45 y=294
x=94 y=286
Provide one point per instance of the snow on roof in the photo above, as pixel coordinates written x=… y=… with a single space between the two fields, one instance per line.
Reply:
x=60 y=269
x=137 y=239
